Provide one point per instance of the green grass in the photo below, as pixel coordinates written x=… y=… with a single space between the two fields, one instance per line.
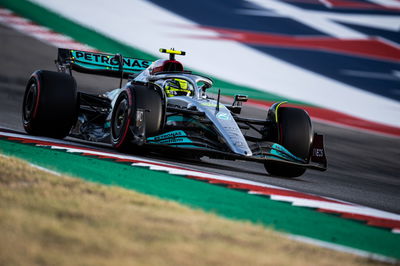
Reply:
x=47 y=219
x=229 y=203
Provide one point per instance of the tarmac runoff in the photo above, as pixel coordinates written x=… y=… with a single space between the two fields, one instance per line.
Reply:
x=257 y=98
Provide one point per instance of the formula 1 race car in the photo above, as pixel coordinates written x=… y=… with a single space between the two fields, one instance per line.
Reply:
x=162 y=108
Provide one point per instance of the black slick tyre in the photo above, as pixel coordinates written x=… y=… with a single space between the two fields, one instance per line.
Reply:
x=295 y=134
x=123 y=118
x=50 y=104
x=121 y=136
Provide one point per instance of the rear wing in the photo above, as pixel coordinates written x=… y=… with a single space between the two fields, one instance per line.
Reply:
x=100 y=63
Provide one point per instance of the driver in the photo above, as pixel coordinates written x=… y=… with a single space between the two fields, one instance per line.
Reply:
x=177 y=87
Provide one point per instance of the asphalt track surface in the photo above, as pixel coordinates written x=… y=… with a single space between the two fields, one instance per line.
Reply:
x=363 y=168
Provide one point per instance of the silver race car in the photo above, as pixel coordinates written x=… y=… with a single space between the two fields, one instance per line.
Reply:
x=164 y=108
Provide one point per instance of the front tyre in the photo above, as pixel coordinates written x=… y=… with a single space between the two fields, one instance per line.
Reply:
x=295 y=134
x=50 y=104
x=121 y=136
x=127 y=134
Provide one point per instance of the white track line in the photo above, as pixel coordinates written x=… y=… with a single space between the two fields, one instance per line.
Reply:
x=173 y=169
x=296 y=198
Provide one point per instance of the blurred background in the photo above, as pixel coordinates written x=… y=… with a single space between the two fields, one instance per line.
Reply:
x=342 y=55
x=338 y=59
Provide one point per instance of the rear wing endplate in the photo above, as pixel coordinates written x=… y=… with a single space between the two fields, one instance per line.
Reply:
x=100 y=63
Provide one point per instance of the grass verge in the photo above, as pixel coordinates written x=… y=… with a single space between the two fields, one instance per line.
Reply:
x=46 y=219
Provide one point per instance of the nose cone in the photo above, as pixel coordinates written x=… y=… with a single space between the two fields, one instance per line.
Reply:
x=235 y=140
x=227 y=127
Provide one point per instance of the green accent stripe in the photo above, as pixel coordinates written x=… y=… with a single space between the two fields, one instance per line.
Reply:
x=103 y=43
x=225 y=202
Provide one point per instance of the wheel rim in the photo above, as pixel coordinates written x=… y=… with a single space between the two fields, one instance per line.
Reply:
x=120 y=118
x=30 y=102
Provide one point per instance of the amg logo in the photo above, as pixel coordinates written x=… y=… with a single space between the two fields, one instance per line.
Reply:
x=318 y=152
x=104 y=59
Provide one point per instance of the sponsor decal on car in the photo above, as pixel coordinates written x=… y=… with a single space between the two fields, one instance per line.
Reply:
x=109 y=60
x=173 y=137
x=224 y=116
x=211 y=104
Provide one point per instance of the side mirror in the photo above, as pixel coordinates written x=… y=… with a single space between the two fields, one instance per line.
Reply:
x=236 y=107
x=239 y=99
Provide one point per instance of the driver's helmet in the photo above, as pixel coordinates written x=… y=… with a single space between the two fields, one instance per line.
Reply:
x=177 y=87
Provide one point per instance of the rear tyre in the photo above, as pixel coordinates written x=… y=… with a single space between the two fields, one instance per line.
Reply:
x=295 y=134
x=50 y=104
x=123 y=119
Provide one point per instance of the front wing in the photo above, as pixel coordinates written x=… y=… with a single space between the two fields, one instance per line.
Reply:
x=179 y=140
